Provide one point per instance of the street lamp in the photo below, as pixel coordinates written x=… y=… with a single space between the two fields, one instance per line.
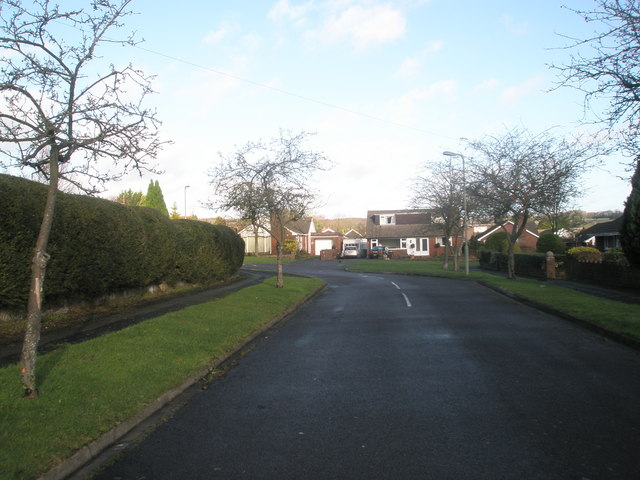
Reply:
x=464 y=206
x=185 y=200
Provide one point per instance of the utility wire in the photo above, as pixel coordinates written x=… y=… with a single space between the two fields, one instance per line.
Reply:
x=291 y=94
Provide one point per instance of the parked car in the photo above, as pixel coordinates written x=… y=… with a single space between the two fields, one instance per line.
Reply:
x=350 y=251
x=379 y=252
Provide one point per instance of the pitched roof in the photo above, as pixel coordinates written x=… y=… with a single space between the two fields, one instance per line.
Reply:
x=302 y=227
x=353 y=234
x=405 y=224
x=604 y=229
x=529 y=227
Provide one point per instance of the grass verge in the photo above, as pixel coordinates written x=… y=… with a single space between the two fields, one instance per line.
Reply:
x=87 y=389
x=268 y=260
x=617 y=317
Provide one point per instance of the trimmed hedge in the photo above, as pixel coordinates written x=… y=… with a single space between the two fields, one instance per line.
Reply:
x=529 y=265
x=585 y=254
x=99 y=247
x=198 y=257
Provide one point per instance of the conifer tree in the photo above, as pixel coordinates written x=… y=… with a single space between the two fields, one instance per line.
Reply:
x=155 y=198
x=630 y=231
x=174 y=214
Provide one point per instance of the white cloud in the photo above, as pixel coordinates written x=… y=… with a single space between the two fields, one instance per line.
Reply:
x=363 y=25
x=488 y=84
x=411 y=66
x=516 y=92
x=283 y=11
x=408 y=105
x=216 y=36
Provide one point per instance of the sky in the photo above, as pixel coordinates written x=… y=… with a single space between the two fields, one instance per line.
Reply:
x=384 y=85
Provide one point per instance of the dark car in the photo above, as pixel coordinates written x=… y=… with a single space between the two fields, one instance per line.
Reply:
x=378 y=252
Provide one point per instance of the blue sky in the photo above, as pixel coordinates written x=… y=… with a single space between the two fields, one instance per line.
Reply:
x=385 y=85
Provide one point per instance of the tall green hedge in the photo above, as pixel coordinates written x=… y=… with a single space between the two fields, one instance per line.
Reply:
x=630 y=232
x=204 y=248
x=99 y=247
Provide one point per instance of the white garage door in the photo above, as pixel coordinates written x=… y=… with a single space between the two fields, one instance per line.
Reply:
x=322 y=245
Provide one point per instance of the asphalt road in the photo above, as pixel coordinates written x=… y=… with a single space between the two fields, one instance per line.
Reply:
x=404 y=377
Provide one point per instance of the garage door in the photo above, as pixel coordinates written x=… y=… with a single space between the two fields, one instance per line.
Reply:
x=322 y=245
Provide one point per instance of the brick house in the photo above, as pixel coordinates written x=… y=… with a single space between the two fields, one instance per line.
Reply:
x=527 y=240
x=412 y=233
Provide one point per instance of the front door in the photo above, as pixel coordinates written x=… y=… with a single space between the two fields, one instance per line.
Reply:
x=411 y=246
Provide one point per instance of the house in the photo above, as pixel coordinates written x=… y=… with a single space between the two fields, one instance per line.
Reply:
x=327 y=239
x=406 y=232
x=527 y=240
x=257 y=240
x=602 y=236
x=302 y=231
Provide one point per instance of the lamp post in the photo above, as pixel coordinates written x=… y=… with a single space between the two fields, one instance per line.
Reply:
x=185 y=200
x=464 y=206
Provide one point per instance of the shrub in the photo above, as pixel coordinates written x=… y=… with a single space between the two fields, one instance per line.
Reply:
x=290 y=246
x=499 y=242
x=585 y=254
x=616 y=256
x=550 y=242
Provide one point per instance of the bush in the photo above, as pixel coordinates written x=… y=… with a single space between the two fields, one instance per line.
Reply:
x=99 y=247
x=290 y=246
x=499 y=242
x=550 y=242
x=616 y=256
x=585 y=254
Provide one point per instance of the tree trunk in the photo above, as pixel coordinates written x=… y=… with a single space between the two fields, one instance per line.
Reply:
x=38 y=269
x=255 y=240
x=280 y=276
x=457 y=250
x=445 y=261
x=511 y=263
x=519 y=226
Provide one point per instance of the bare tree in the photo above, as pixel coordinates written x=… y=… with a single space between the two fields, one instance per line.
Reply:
x=518 y=174
x=440 y=189
x=61 y=118
x=268 y=184
x=607 y=65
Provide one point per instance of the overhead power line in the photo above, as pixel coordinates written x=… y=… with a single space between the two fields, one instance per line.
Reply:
x=292 y=94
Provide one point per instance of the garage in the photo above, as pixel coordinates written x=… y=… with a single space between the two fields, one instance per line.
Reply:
x=322 y=244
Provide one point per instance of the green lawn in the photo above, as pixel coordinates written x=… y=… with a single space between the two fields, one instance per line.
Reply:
x=89 y=388
x=614 y=316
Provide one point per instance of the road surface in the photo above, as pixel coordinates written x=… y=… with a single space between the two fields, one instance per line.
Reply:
x=404 y=377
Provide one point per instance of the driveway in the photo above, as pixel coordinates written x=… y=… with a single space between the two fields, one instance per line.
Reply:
x=404 y=377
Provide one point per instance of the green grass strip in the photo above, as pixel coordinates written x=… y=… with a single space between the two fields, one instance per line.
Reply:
x=89 y=388
x=615 y=316
x=267 y=260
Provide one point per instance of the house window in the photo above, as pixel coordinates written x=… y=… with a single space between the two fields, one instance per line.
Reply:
x=387 y=219
x=403 y=243
x=374 y=242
